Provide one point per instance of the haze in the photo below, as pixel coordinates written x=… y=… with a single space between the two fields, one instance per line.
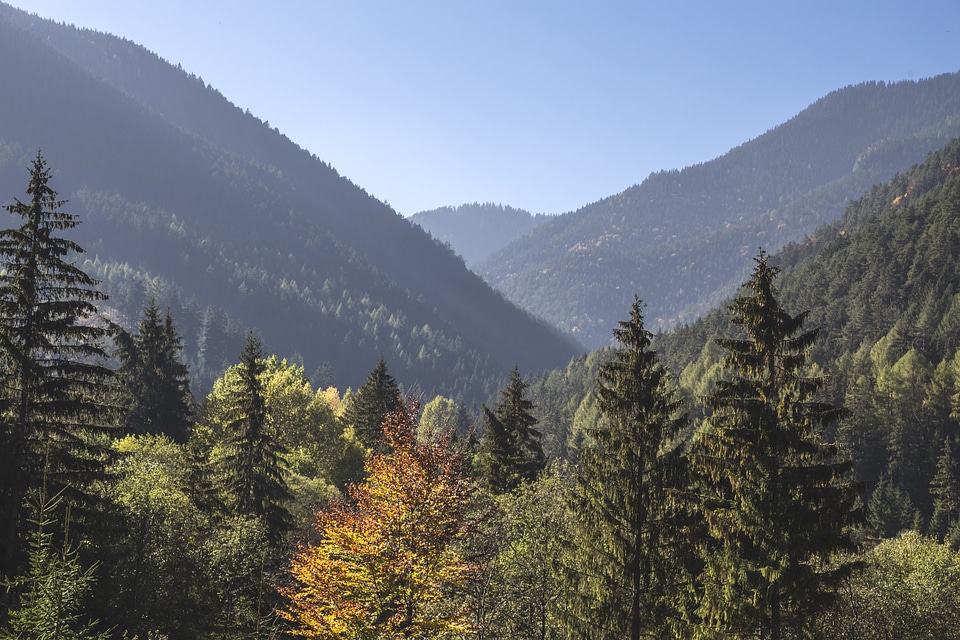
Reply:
x=545 y=106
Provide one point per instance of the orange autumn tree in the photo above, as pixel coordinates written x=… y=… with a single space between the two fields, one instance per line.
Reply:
x=390 y=562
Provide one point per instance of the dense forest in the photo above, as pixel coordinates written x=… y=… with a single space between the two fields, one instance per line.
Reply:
x=239 y=398
x=785 y=467
x=682 y=239
x=190 y=200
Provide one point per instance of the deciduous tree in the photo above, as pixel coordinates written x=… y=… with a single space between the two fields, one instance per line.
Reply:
x=389 y=562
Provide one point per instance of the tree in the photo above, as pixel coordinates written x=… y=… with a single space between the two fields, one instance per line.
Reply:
x=440 y=416
x=908 y=587
x=375 y=400
x=54 y=586
x=517 y=593
x=155 y=381
x=158 y=559
x=510 y=450
x=625 y=555
x=53 y=383
x=774 y=502
x=945 y=487
x=253 y=466
x=389 y=562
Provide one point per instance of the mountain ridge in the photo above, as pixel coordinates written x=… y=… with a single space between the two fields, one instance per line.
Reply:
x=678 y=238
x=281 y=241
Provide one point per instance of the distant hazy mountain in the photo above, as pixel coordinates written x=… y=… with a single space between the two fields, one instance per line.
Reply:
x=682 y=240
x=477 y=231
x=187 y=198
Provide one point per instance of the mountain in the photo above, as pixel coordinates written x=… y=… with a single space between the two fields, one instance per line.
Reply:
x=882 y=286
x=681 y=240
x=477 y=231
x=187 y=198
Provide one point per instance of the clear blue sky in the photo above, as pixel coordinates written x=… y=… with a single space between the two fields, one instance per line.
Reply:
x=541 y=105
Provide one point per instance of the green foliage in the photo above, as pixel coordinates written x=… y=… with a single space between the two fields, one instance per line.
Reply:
x=680 y=238
x=253 y=465
x=775 y=502
x=54 y=588
x=510 y=451
x=375 y=400
x=908 y=587
x=441 y=415
x=890 y=510
x=53 y=383
x=518 y=593
x=155 y=382
x=945 y=488
x=626 y=552
x=156 y=563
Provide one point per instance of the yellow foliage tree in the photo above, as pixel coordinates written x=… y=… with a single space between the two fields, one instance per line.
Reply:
x=390 y=561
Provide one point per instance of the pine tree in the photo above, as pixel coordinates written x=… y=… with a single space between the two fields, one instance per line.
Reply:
x=53 y=384
x=374 y=401
x=774 y=500
x=155 y=381
x=625 y=553
x=253 y=466
x=510 y=450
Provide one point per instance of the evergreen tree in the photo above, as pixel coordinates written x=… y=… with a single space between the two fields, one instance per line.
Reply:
x=253 y=466
x=945 y=488
x=625 y=554
x=375 y=400
x=510 y=450
x=54 y=586
x=155 y=381
x=53 y=385
x=774 y=501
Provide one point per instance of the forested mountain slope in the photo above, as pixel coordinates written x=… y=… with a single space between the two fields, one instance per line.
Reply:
x=477 y=231
x=185 y=197
x=883 y=286
x=682 y=239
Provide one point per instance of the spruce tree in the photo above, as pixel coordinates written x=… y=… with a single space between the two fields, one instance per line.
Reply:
x=253 y=466
x=378 y=398
x=155 y=381
x=625 y=553
x=510 y=450
x=54 y=387
x=774 y=500
x=945 y=488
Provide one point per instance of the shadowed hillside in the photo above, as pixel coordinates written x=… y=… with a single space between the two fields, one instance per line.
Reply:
x=185 y=197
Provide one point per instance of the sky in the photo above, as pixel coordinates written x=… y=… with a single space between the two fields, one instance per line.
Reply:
x=541 y=105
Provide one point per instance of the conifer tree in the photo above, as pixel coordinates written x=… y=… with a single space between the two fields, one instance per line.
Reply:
x=773 y=498
x=375 y=400
x=54 y=387
x=510 y=450
x=945 y=487
x=155 y=381
x=624 y=556
x=253 y=466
